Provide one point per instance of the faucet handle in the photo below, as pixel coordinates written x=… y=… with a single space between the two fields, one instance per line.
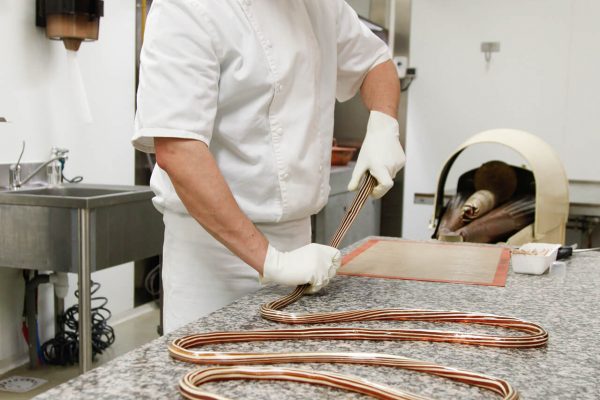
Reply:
x=60 y=152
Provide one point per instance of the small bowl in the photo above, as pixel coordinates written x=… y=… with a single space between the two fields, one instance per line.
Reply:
x=341 y=155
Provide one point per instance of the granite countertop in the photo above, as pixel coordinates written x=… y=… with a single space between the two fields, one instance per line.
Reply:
x=565 y=303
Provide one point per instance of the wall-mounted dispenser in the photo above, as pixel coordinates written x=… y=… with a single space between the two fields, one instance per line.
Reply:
x=71 y=21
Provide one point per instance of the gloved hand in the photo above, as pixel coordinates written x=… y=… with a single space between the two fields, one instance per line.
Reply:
x=314 y=263
x=381 y=154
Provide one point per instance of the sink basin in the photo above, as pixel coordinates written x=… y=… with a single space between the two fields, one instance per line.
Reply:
x=27 y=186
x=76 y=195
x=39 y=227
x=72 y=191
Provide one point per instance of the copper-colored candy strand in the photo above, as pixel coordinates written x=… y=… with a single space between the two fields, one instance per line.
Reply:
x=534 y=336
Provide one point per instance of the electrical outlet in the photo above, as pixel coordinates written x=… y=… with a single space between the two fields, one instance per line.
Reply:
x=490 y=47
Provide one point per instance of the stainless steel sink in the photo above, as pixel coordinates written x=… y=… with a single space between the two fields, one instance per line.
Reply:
x=76 y=196
x=78 y=228
x=73 y=191
x=39 y=227
x=28 y=186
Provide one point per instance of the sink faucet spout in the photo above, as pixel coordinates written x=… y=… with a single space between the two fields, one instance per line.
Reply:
x=15 y=181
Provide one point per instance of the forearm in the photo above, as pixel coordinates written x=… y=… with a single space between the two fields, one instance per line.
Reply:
x=380 y=90
x=207 y=197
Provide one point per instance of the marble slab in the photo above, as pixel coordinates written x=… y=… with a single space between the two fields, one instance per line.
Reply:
x=565 y=303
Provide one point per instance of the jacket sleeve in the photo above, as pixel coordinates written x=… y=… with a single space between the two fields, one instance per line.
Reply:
x=358 y=51
x=179 y=75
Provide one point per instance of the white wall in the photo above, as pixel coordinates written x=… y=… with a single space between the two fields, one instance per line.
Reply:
x=545 y=80
x=41 y=95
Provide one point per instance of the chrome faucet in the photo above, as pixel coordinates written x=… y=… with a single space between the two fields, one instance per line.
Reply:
x=15 y=181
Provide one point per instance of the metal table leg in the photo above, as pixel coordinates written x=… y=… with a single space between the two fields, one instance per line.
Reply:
x=85 y=302
x=59 y=310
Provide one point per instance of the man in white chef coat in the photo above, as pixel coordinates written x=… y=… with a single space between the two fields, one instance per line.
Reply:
x=236 y=98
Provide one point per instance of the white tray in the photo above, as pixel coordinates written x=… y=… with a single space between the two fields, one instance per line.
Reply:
x=534 y=258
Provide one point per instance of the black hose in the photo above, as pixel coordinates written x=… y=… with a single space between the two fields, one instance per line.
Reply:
x=63 y=349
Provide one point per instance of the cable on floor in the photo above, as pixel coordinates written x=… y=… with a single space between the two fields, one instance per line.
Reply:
x=63 y=349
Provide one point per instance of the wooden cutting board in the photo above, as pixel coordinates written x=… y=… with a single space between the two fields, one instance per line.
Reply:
x=429 y=261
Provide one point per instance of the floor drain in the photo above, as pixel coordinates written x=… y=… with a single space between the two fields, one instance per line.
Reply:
x=20 y=384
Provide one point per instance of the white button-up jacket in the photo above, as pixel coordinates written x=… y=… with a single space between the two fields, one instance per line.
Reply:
x=256 y=80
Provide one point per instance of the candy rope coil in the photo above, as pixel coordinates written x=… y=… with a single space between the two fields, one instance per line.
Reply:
x=190 y=382
x=533 y=336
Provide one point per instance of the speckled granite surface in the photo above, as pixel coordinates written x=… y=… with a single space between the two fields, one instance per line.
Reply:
x=566 y=304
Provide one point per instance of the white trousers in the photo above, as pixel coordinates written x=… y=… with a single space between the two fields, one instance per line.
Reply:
x=200 y=275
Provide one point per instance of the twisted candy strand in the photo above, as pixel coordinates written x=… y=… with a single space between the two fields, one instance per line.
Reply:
x=535 y=336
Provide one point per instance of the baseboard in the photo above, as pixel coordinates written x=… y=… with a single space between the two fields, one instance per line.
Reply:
x=11 y=363
x=133 y=313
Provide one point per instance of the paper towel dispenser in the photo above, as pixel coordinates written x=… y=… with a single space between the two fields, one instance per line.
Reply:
x=71 y=21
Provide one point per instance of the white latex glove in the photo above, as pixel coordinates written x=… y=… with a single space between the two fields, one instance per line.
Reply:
x=381 y=154
x=314 y=263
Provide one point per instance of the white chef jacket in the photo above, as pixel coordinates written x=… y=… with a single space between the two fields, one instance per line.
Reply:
x=256 y=80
